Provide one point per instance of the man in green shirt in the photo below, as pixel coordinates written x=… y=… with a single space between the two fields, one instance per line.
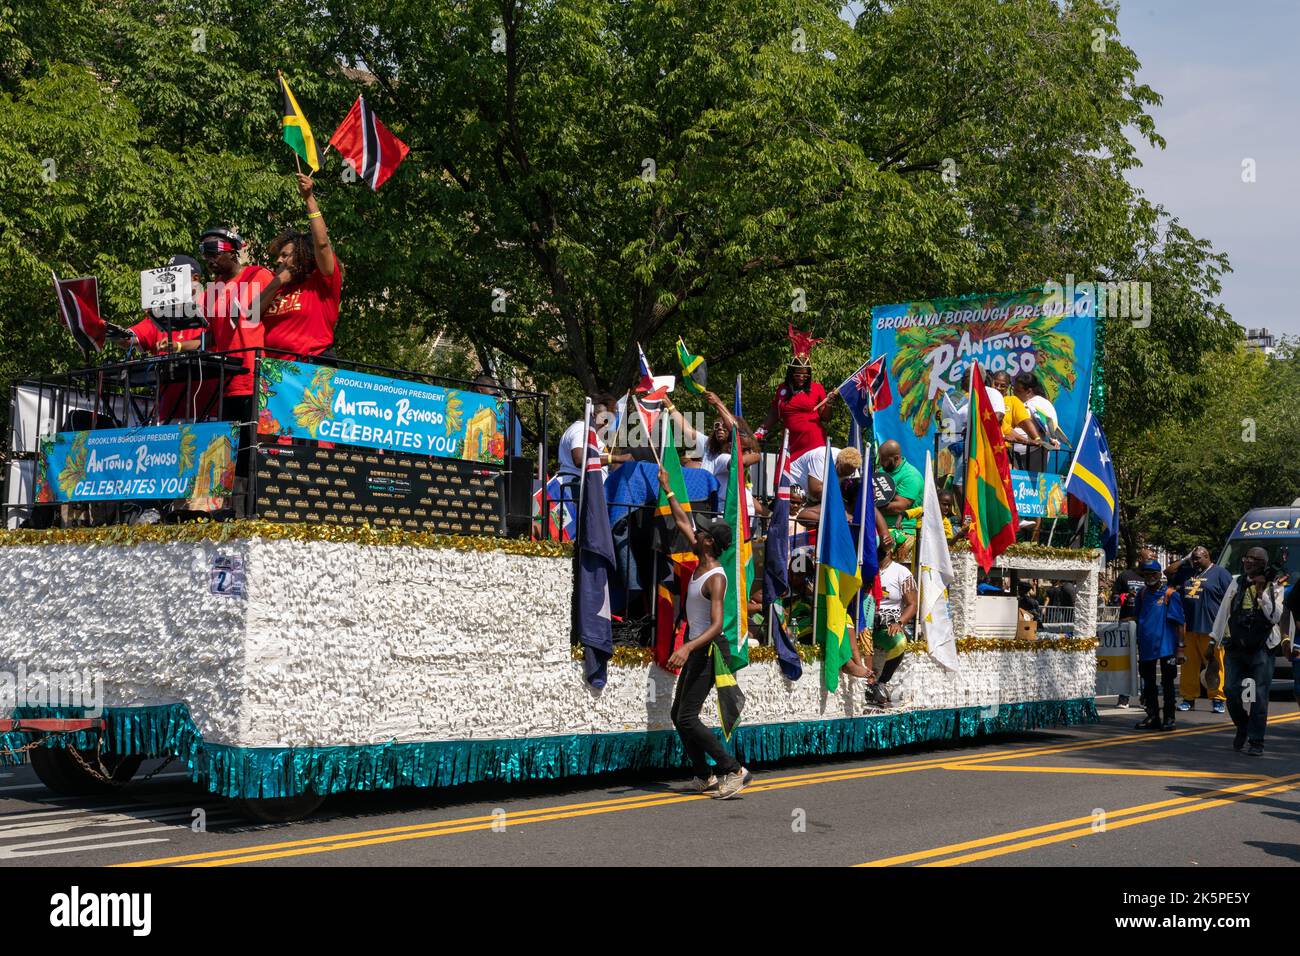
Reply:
x=909 y=487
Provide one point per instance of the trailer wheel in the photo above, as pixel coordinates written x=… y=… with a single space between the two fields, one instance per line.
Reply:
x=59 y=770
x=279 y=809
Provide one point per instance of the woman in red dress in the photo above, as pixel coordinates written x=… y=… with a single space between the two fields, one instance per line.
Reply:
x=800 y=403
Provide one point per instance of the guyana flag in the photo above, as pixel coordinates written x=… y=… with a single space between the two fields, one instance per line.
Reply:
x=297 y=131
x=695 y=371
x=839 y=576
x=990 y=502
x=731 y=649
x=671 y=588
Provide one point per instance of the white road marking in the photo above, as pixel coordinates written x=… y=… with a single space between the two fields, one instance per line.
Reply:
x=124 y=829
x=41 y=786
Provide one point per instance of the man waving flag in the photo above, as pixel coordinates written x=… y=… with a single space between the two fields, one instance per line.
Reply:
x=297 y=131
x=731 y=649
x=1091 y=479
x=367 y=145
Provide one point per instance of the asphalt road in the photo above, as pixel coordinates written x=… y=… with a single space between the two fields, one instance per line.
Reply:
x=1096 y=795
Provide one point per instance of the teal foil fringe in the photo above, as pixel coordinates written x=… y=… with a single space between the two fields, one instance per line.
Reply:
x=257 y=772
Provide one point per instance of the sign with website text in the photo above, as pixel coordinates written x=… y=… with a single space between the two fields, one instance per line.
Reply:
x=1038 y=494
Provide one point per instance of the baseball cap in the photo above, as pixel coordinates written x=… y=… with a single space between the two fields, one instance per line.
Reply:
x=720 y=532
x=1152 y=565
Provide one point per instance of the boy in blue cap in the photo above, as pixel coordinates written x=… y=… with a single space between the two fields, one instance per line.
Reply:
x=1160 y=620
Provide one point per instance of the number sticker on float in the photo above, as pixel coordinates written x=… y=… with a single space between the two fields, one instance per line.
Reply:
x=119 y=464
x=325 y=404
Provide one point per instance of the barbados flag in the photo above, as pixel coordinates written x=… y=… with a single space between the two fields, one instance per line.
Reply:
x=297 y=131
x=838 y=580
x=990 y=501
x=1091 y=479
x=731 y=649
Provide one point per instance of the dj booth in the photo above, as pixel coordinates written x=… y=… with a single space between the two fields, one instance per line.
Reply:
x=328 y=442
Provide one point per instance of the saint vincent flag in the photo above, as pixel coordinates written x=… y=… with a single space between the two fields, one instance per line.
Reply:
x=695 y=371
x=671 y=588
x=731 y=649
x=838 y=580
x=990 y=502
x=297 y=131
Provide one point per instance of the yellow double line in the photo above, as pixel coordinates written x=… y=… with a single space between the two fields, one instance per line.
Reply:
x=364 y=838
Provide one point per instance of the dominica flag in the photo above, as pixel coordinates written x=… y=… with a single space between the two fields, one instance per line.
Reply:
x=671 y=588
x=297 y=131
x=367 y=145
x=838 y=580
x=731 y=650
x=990 y=502
x=695 y=371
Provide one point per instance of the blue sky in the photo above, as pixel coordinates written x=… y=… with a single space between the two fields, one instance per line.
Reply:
x=1226 y=72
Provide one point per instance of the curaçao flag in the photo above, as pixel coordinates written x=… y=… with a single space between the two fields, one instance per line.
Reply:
x=671 y=588
x=731 y=649
x=838 y=580
x=695 y=371
x=776 y=570
x=990 y=502
x=1091 y=479
x=297 y=131
x=594 y=623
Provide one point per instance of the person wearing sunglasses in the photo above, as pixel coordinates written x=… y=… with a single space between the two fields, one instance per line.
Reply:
x=300 y=306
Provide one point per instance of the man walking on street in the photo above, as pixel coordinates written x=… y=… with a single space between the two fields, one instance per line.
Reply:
x=1246 y=625
x=1159 y=612
x=1202 y=594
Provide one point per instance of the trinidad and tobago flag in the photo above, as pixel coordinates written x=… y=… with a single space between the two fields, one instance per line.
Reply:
x=365 y=143
x=79 y=310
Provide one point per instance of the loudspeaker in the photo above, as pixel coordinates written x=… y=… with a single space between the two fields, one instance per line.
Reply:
x=519 y=497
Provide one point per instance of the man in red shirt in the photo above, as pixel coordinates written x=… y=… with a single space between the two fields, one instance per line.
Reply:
x=300 y=306
x=799 y=404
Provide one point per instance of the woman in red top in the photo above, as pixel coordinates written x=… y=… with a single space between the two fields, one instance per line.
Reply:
x=300 y=307
x=797 y=401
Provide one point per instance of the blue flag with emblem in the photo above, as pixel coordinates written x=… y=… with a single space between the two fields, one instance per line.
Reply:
x=1091 y=479
x=595 y=564
x=776 y=571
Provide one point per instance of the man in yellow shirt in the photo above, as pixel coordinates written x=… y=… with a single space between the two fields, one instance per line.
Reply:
x=1017 y=416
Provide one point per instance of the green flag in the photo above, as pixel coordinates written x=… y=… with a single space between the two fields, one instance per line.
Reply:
x=695 y=371
x=731 y=649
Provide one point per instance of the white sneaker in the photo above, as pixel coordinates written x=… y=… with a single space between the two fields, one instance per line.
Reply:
x=732 y=783
x=700 y=785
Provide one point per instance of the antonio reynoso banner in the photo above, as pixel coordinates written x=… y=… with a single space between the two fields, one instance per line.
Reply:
x=930 y=345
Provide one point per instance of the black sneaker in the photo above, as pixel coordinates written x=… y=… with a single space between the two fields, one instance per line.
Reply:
x=1239 y=741
x=1168 y=724
x=1256 y=750
x=1148 y=723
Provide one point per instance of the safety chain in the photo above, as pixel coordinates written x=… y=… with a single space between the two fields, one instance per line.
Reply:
x=26 y=747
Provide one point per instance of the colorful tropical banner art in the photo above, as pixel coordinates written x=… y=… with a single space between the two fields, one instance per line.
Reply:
x=326 y=404
x=1039 y=494
x=118 y=464
x=930 y=345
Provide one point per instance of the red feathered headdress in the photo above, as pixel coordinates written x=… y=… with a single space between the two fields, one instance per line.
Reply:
x=801 y=343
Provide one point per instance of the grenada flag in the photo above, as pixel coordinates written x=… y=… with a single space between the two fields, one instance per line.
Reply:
x=731 y=649
x=990 y=502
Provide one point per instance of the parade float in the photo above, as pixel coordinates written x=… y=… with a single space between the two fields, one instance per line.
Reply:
x=376 y=621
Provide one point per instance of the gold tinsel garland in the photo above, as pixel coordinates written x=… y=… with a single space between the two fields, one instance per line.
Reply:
x=194 y=532
x=1035 y=551
x=625 y=656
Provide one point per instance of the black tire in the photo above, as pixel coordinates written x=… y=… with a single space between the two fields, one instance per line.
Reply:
x=61 y=773
x=279 y=809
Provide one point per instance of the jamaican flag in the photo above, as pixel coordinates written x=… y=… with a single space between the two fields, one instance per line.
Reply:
x=695 y=371
x=297 y=131
x=990 y=501
x=731 y=649
x=671 y=589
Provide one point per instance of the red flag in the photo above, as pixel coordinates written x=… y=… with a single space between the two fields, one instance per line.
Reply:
x=79 y=310
x=877 y=377
x=365 y=143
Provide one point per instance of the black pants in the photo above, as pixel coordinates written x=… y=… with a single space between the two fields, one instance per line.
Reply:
x=1248 y=677
x=693 y=685
x=887 y=671
x=1168 y=673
